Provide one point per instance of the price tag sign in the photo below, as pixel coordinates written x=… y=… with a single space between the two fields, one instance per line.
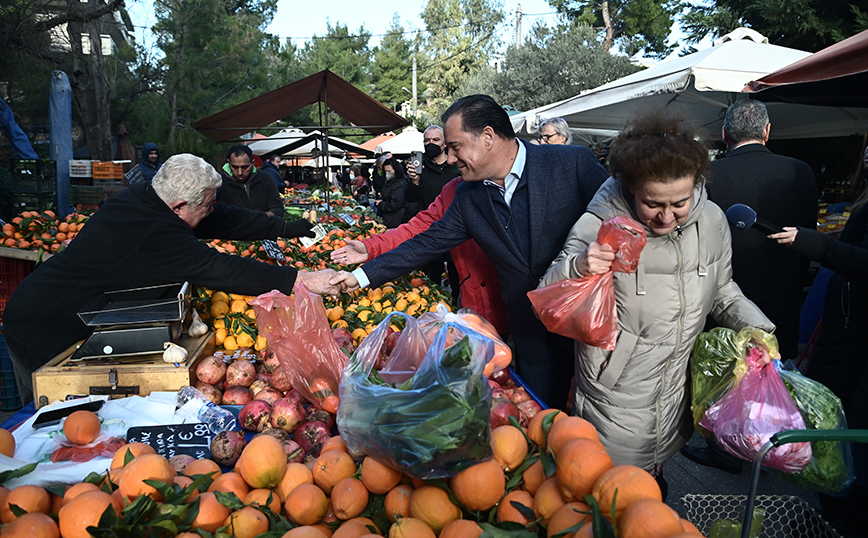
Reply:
x=173 y=439
x=272 y=250
x=348 y=219
x=320 y=232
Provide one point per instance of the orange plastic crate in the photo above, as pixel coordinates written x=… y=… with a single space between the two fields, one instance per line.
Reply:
x=107 y=170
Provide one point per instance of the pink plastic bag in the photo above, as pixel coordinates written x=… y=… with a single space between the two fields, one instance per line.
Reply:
x=755 y=409
x=584 y=309
x=298 y=333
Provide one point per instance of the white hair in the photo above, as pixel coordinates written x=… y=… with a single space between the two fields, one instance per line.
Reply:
x=184 y=178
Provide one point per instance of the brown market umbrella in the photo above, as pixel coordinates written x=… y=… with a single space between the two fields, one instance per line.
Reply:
x=125 y=150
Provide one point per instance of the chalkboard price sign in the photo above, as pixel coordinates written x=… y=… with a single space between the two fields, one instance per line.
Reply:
x=173 y=439
x=272 y=250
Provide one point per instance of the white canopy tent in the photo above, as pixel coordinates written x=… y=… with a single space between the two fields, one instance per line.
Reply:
x=408 y=141
x=703 y=85
x=319 y=162
x=296 y=137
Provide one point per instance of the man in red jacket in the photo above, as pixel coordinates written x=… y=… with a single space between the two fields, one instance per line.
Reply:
x=479 y=283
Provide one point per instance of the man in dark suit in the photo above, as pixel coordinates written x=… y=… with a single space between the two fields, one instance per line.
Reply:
x=518 y=201
x=781 y=190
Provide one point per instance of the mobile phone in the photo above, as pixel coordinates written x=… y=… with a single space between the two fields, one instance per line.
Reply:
x=53 y=417
x=416 y=162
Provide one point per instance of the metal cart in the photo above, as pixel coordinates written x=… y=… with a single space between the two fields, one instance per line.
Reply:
x=785 y=516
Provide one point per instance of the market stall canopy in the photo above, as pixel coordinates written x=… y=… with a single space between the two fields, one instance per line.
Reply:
x=319 y=162
x=295 y=142
x=377 y=140
x=835 y=76
x=334 y=92
x=408 y=141
x=702 y=85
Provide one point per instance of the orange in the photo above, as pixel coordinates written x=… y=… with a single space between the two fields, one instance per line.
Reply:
x=461 y=528
x=330 y=468
x=349 y=498
x=580 y=463
x=631 y=483
x=7 y=443
x=432 y=506
x=567 y=429
x=547 y=499
x=409 y=527
x=648 y=518
x=28 y=498
x=56 y=502
x=480 y=486
x=211 y=514
x=183 y=482
x=203 y=466
x=261 y=497
x=33 y=525
x=137 y=449
x=81 y=427
x=77 y=489
x=567 y=516
x=230 y=482
x=507 y=511
x=334 y=443
x=82 y=512
x=355 y=528
x=686 y=535
x=247 y=522
x=532 y=477
x=295 y=475
x=306 y=531
x=509 y=446
x=146 y=467
x=378 y=477
x=306 y=505
x=397 y=502
x=535 y=425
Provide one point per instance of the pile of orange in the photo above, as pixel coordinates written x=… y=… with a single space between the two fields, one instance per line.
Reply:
x=34 y=230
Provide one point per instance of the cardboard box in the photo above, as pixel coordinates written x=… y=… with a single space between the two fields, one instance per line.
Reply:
x=121 y=377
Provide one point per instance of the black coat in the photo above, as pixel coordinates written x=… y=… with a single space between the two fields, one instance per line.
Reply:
x=274 y=172
x=392 y=202
x=259 y=193
x=841 y=358
x=434 y=178
x=783 y=191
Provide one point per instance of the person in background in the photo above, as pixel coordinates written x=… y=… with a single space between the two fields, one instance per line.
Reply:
x=378 y=178
x=840 y=360
x=148 y=166
x=271 y=166
x=245 y=186
x=555 y=131
x=147 y=235
x=637 y=395
x=392 y=198
x=518 y=202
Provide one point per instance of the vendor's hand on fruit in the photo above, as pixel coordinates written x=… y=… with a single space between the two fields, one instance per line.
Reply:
x=320 y=282
x=354 y=252
x=345 y=281
x=787 y=237
x=595 y=259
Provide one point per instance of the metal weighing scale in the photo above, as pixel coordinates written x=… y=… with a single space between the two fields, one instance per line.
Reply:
x=134 y=322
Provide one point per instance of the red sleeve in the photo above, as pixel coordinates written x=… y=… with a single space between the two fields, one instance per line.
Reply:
x=384 y=242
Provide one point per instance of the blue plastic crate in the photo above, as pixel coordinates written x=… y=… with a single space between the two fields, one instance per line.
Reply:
x=9 y=397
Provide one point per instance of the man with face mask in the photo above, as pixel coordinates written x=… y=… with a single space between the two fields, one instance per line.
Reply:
x=436 y=172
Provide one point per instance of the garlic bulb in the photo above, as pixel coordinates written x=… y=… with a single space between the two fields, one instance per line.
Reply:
x=173 y=353
x=197 y=327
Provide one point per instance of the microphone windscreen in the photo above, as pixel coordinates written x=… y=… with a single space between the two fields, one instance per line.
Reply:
x=741 y=216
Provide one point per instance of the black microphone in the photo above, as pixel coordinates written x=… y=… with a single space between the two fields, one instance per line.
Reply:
x=743 y=216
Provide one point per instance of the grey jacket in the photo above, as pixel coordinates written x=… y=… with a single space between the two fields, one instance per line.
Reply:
x=637 y=395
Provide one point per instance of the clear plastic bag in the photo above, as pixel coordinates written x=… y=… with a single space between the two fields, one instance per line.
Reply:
x=429 y=423
x=831 y=467
x=298 y=333
x=584 y=309
x=747 y=416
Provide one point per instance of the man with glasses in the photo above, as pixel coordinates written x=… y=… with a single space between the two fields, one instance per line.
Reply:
x=147 y=235
x=555 y=131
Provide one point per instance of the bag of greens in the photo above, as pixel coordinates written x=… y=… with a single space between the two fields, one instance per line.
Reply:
x=430 y=422
x=717 y=364
x=831 y=467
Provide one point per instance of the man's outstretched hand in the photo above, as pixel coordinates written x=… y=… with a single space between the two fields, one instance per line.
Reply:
x=320 y=283
x=345 y=281
x=354 y=252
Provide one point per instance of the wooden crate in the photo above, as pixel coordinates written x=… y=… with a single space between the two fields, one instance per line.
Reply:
x=132 y=376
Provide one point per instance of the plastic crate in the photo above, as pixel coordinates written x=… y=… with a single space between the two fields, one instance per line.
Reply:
x=35 y=201
x=34 y=176
x=80 y=169
x=107 y=170
x=9 y=397
x=12 y=272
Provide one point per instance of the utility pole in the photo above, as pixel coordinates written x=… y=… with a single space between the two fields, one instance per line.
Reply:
x=518 y=26
x=415 y=100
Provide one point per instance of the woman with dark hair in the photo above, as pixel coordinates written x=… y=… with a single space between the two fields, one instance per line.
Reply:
x=637 y=395
x=392 y=199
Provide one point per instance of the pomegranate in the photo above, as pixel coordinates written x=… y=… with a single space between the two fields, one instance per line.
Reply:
x=236 y=395
x=212 y=392
x=294 y=452
x=226 y=447
x=344 y=339
x=277 y=433
x=280 y=380
x=313 y=413
x=310 y=436
x=241 y=372
x=519 y=395
x=498 y=392
x=268 y=394
x=211 y=370
x=271 y=362
x=257 y=385
x=255 y=416
x=292 y=393
x=287 y=414
x=502 y=378
x=180 y=461
x=501 y=410
x=528 y=409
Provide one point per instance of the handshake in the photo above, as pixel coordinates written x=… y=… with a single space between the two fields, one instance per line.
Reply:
x=328 y=282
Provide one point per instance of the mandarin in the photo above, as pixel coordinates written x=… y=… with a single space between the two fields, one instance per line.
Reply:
x=81 y=427
x=480 y=486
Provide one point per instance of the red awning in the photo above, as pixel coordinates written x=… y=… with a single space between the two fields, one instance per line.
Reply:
x=337 y=94
x=835 y=76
